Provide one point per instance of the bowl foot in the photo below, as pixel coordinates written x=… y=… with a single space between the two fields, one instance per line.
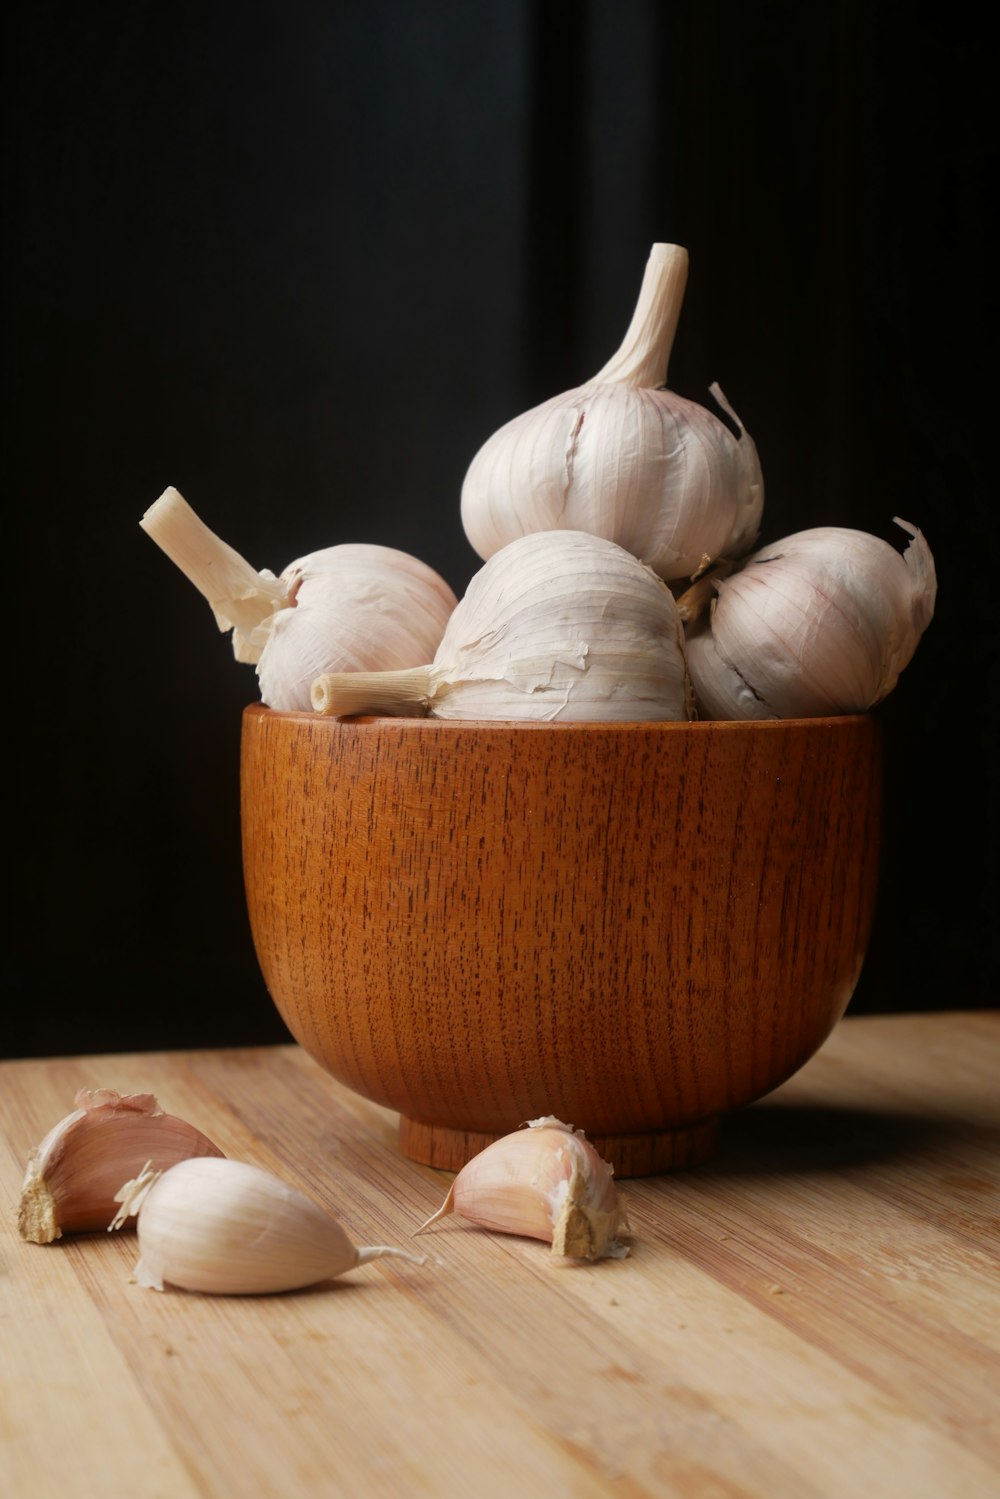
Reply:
x=647 y=1154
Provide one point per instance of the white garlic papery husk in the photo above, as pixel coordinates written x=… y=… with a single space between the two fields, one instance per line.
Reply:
x=543 y=1182
x=72 y=1175
x=559 y=626
x=820 y=623
x=228 y=1228
x=623 y=457
x=354 y=606
x=357 y=607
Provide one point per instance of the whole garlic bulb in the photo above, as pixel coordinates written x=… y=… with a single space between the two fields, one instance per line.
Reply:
x=822 y=622
x=623 y=457
x=356 y=606
x=556 y=625
x=228 y=1228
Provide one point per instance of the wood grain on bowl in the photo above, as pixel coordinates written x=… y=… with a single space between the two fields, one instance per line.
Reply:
x=638 y=928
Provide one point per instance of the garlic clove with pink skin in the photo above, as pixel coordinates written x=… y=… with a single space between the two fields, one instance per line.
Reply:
x=355 y=606
x=72 y=1175
x=545 y=1181
x=820 y=623
x=228 y=1228
x=623 y=457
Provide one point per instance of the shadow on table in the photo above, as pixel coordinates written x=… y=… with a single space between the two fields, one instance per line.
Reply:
x=802 y=1137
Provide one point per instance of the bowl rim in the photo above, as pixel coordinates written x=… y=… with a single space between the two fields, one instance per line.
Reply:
x=427 y=724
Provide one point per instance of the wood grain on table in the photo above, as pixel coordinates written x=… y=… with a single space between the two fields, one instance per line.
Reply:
x=813 y=1314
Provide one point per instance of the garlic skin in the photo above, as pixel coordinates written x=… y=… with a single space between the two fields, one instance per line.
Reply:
x=355 y=606
x=227 y=1228
x=820 y=623
x=544 y=1182
x=72 y=1175
x=559 y=626
x=623 y=457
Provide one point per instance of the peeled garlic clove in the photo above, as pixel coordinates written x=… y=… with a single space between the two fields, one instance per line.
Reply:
x=72 y=1175
x=623 y=457
x=357 y=606
x=558 y=625
x=228 y=1228
x=544 y=1182
x=822 y=622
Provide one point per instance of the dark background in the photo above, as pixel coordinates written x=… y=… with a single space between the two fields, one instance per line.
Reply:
x=301 y=260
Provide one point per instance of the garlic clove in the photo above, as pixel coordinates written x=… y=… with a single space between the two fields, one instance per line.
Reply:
x=820 y=623
x=225 y=1227
x=624 y=457
x=343 y=608
x=72 y=1175
x=546 y=1182
x=557 y=625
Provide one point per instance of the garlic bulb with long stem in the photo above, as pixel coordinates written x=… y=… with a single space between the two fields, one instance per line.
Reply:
x=624 y=457
x=545 y=1182
x=821 y=622
x=557 y=625
x=72 y=1174
x=229 y=1228
x=355 y=606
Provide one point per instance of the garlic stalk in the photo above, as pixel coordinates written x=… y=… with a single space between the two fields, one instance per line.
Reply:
x=544 y=1182
x=356 y=606
x=623 y=457
x=557 y=625
x=228 y=1228
x=820 y=623
x=71 y=1177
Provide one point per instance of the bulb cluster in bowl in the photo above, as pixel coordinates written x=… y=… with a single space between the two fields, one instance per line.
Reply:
x=623 y=575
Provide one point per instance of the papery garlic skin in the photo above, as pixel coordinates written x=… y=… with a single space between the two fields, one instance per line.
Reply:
x=72 y=1175
x=623 y=457
x=820 y=623
x=543 y=1182
x=557 y=626
x=354 y=606
x=225 y=1227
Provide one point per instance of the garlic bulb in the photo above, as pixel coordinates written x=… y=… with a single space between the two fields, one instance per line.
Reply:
x=70 y=1182
x=556 y=625
x=356 y=606
x=822 y=622
x=229 y=1228
x=545 y=1182
x=623 y=457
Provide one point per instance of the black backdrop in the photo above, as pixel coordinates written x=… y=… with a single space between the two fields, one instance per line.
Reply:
x=301 y=259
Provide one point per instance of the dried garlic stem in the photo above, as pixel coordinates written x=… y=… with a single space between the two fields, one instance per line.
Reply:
x=644 y=355
x=393 y=693
x=240 y=596
x=693 y=602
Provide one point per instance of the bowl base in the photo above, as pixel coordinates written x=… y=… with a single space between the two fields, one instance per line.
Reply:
x=648 y=1154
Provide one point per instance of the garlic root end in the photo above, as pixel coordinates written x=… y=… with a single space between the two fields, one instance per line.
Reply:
x=36 y=1213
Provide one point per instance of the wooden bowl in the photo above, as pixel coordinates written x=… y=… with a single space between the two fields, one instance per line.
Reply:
x=638 y=928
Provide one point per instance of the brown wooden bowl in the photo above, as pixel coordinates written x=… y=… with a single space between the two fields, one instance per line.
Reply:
x=638 y=928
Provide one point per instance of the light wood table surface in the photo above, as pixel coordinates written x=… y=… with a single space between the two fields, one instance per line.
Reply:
x=813 y=1313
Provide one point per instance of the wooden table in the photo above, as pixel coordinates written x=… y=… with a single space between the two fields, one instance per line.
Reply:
x=814 y=1313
